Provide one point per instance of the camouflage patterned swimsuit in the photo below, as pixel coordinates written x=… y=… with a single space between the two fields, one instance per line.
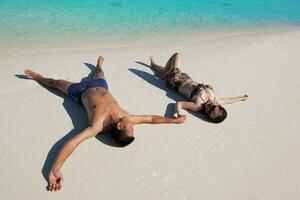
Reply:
x=199 y=90
x=176 y=78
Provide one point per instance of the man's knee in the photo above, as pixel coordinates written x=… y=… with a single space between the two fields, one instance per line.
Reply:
x=99 y=70
x=52 y=83
x=59 y=83
x=99 y=74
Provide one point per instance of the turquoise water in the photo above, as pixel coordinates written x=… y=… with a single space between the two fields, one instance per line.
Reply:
x=55 y=18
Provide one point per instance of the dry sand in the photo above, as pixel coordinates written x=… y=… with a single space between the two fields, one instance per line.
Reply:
x=253 y=154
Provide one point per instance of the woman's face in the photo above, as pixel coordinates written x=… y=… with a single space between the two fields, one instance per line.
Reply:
x=212 y=108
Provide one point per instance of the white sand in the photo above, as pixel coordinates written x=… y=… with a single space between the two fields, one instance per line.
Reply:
x=254 y=154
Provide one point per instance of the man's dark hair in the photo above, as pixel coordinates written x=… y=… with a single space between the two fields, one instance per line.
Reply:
x=120 y=136
x=222 y=116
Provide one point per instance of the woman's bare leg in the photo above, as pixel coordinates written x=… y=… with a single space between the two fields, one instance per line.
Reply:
x=156 y=68
x=172 y=64
x=61 y=85
x=99 y=68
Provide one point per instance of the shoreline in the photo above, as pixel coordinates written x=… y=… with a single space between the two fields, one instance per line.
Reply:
x=17 y=47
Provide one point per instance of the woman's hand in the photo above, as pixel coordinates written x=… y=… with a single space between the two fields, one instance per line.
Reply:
x=244 y=98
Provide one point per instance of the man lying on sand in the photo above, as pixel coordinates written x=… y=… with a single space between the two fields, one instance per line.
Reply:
x=202 y=97
x=104 y=113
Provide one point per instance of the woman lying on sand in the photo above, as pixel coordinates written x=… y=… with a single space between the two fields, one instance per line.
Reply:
x=202 y=97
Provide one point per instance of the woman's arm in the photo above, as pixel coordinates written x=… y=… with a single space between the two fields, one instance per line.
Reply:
x=190 y=106
x=55 y=176
x=231 y=100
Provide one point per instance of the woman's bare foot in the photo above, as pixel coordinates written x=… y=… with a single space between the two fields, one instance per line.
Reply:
x=156 y=69
x=100 y=61
x=151 y=61
x=31 y=74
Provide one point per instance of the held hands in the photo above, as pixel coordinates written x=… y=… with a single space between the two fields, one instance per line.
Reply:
x=55 y=180
x=178 y=110
x=180 y=119
x=178 y=114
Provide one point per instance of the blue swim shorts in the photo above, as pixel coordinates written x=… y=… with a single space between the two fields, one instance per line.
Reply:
x=75 y=90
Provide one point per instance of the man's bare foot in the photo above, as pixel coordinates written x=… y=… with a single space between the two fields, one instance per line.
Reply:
x=100 y=61
x=31 y=74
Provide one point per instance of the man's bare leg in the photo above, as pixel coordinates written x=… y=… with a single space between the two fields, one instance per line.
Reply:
x=61 y=85
x=99 y=68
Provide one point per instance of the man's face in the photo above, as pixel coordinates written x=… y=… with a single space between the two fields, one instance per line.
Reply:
x=127 y=125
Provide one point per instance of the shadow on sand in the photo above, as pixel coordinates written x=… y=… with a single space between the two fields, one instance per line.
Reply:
x=79 y=120
x=170 y=93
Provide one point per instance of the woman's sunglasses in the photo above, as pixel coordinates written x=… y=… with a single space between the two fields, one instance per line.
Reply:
x=211 y=108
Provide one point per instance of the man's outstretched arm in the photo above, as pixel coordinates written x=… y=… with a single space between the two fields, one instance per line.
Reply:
x=155 y=119
x=55 y=176
x=231 y=100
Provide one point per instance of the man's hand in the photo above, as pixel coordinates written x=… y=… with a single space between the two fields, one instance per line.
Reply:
x=55 y=180
x=180 y=119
